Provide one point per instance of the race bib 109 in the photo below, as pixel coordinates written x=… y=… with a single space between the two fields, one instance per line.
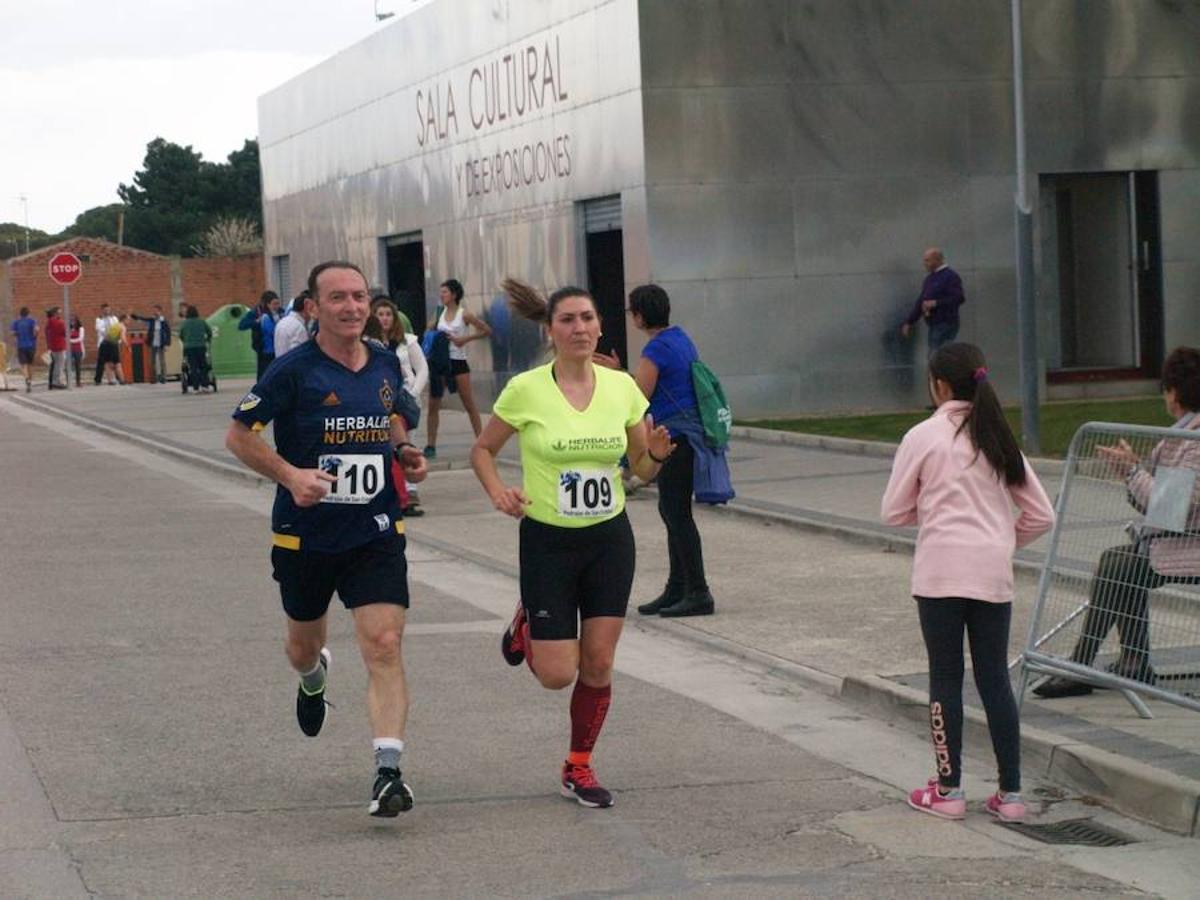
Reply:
x=586 y=493
x=359 y=476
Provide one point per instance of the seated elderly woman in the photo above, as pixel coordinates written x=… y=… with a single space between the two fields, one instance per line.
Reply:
x=1127 y=574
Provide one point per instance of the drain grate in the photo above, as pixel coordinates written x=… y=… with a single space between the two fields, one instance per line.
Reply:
x=1072 y=831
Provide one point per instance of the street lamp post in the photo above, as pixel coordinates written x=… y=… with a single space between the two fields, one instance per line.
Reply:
x=1027 y=350
x=25 y=204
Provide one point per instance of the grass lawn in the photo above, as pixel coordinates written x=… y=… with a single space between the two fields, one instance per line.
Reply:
x=1059 y=421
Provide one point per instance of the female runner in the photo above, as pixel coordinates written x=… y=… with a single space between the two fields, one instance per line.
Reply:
x=575 y=420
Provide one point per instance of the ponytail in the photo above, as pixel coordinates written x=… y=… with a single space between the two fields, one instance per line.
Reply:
x=963 y=367
x=525 y=301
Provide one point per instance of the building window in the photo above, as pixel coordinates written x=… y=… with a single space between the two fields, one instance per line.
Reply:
x=281 y=276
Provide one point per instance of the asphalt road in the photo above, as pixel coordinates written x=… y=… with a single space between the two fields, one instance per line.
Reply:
x=148 y=745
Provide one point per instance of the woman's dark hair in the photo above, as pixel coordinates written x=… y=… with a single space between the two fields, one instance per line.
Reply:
x=373 y=329
x=24 y=311
x=267 y=297
x=192 y=313
x=651 y=303
x=330 y=264
x=396 y=332
x=1181 y=371
x=963 y=367
x=454 y=286
x=75 y=322
x=529 y=304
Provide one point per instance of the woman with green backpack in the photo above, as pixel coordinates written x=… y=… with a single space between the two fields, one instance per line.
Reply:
x=683 y=397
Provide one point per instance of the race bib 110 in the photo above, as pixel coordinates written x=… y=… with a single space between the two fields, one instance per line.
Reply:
x=359 y=476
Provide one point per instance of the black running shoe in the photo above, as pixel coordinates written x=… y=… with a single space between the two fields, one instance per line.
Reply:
x=310 y=708
x=391 y=796
x=579 y=783
x=515 y=639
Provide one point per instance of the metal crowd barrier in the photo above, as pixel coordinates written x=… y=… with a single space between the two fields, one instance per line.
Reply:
x=1104 y=614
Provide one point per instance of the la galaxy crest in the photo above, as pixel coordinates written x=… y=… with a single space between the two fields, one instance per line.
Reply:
x=386 y=396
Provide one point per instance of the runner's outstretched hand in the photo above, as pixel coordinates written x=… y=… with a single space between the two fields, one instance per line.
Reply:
x=414 y=464
x=658 y=439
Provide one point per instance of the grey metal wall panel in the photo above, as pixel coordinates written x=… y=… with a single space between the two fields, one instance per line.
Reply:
x=927 y=41
x=859 y=225
x=1112 y=38
x=745 y=231
x=1181 y=322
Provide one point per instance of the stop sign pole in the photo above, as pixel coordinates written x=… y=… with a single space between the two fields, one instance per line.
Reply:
x=66 y=269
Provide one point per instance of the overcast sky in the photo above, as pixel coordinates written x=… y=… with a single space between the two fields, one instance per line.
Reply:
x=84 y=86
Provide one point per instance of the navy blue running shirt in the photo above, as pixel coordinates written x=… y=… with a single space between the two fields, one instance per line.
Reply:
x=340 y=421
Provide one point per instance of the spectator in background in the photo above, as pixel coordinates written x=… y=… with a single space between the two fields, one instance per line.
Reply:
x=56 y=343
x=1120 y=593
x=254 y=321
x=26 y=331
x=110 y=349
x=292 y=330
x=103 y=321
x=77 y=349
x=941 y=296
x=158 y=336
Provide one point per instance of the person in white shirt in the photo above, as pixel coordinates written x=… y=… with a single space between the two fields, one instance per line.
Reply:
x=292 y=330
x=412 y=363
x=103 y=321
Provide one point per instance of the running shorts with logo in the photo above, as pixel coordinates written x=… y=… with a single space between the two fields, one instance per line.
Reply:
x=577 y=551
x=330 y=418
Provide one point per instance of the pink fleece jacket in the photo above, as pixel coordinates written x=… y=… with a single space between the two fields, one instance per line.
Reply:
x=966 y=528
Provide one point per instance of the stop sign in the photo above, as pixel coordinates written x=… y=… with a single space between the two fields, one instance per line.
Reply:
x=65 y=268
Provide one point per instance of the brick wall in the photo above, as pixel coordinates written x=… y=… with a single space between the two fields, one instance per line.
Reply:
x=128 y=280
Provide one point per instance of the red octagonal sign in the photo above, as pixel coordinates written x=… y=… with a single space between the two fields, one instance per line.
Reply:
x=65 y=268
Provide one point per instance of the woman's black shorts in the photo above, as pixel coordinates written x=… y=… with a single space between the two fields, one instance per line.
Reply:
x=439 y=383
x=568 y=574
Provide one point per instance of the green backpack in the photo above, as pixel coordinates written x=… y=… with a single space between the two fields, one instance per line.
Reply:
x=715 y=414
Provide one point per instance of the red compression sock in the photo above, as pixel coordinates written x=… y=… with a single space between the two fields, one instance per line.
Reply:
x=589 y=706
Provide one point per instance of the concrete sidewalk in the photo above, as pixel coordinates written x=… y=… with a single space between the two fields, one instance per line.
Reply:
x=793 y=594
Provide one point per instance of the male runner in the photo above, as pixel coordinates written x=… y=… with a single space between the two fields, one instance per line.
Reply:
x=338 y=406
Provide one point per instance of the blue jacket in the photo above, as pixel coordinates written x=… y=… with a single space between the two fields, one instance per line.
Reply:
x=151 y=323
x=710 y=471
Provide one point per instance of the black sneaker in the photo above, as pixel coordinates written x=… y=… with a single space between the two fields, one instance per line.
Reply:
x=580 y=784
x=391 y=796
x=310 y=708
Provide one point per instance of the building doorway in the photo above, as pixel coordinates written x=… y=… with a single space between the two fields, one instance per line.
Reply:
x=1102 y=275
x=406 y=277
x=605 y=260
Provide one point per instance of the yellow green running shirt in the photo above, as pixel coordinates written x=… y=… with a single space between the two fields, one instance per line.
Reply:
x=570 y=456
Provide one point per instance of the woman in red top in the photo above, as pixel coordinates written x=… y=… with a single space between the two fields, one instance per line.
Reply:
x=56 y=343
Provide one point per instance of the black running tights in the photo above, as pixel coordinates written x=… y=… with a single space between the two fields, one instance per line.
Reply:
x=943 y=621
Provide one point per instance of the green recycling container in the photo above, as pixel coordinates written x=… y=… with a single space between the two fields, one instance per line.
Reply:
x=232 y=355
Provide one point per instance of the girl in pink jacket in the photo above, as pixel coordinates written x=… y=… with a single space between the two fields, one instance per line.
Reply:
x=957 y=476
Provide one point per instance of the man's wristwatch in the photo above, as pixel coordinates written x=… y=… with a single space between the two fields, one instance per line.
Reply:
x=399 y=449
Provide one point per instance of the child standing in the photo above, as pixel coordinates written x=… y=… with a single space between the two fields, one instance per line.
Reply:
x=956 y=476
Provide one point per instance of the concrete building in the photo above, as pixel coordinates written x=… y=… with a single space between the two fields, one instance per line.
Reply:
x=777 y=165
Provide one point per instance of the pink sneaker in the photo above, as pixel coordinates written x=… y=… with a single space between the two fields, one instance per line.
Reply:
x=1006 y=807
x=951 y=805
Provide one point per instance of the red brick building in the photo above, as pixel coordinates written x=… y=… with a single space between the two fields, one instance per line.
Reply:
x=129 y=280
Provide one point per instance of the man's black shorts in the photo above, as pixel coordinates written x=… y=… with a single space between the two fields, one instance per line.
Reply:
x=371 y=573
x=568 y=574
x=25 y=355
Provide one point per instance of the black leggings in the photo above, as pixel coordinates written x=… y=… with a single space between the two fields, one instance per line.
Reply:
x=943 y=621
x=675 y=485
